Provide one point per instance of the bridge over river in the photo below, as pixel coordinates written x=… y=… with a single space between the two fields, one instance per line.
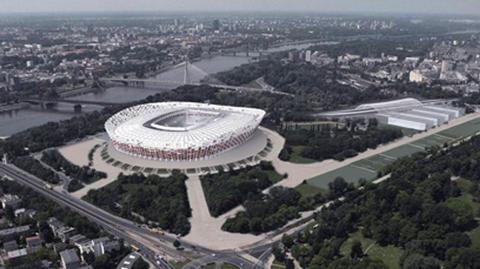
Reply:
x=189 y=68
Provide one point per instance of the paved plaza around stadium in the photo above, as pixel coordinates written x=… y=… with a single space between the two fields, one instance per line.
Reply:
x=206 y=230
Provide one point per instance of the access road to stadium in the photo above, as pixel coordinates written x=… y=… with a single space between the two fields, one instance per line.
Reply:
x=297 y=173
x=206 y=230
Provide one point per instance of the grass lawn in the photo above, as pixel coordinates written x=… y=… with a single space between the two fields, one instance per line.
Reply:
x=178 y=265
x=475 y=237
x=274 y=176
x=307 y=190
x=295 y=156
x=210 y=266
x=390 y=255
x=464 y=203
x=464 y=184
x=228 y=266
x=277 y=265
x=252 y=84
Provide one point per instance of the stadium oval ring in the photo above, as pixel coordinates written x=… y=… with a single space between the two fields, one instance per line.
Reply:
x=181 y=131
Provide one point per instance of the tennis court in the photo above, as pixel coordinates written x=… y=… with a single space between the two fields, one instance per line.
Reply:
x=463 y=130
x=350 y=173
x=433 y=140
x=376 y=162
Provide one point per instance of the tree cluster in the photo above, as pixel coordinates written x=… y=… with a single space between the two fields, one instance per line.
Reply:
x=337 y=143
x=264 y=213
x=410 y=211
x=226 y=190
x=37 y=169
x=84 y=174
x=161 y=202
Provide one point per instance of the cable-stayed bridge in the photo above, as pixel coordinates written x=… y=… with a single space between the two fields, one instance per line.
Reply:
x=192 y=75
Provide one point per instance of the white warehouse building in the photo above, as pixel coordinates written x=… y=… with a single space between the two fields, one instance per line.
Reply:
x=416 y=116
x=406 y=113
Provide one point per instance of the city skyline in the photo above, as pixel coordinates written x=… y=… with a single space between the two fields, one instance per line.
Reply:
x=327 y=6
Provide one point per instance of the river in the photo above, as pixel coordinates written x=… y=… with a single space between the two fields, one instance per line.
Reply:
x=19 y=120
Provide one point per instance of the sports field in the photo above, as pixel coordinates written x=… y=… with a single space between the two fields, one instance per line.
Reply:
x=350 y=173
x=376 y=162
x=463 y=130
x=433 y=140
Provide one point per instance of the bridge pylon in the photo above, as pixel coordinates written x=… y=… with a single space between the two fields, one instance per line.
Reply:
x=186 y=74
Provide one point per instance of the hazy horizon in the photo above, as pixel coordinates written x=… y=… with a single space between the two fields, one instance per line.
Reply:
x=469 y=7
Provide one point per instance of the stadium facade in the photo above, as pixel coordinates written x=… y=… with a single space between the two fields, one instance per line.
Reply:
x=181 y=131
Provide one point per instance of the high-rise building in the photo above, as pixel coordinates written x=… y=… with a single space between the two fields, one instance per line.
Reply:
x=308 y=56
x=216 y=25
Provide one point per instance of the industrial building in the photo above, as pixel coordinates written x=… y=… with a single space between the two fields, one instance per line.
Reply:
x=406 y=113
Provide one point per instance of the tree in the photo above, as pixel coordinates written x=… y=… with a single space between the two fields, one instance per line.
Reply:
x=177 y=244
x=45 y=232
x=89 y=257
x=141 y=264
x=338 y=186
x=278 y=253
x=416 y=261
x=356 y=251
x=9 y=213
x=287 y=241
x=289 y=264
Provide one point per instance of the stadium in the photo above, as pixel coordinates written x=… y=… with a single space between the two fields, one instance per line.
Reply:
x=181 y=131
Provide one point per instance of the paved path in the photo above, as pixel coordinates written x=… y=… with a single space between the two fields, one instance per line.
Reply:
x=78 y=154
x=207 y=230
x=299 y=172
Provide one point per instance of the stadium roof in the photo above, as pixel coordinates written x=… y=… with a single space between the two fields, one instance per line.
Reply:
x=180 y=125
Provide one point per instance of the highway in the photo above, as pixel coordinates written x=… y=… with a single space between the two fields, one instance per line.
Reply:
x=118 y=227
x=150 y=244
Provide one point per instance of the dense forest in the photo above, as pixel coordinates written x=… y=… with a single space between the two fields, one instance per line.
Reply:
x=84 y=174
x=162 y=202
x=426 y=210
x=315 y=87
x=401 y=47
x=335 y=142
x=226 y=190
x=35 y=168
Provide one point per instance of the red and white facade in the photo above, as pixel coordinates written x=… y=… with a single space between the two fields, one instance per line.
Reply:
x=181 y=131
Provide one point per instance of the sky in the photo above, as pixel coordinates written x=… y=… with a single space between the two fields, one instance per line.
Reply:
x=347 y=6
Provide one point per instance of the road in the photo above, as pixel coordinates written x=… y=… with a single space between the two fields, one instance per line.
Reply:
x=132 y=234
x=150 y=244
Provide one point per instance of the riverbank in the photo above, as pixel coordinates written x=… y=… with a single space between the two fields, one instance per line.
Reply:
x=8 y=108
